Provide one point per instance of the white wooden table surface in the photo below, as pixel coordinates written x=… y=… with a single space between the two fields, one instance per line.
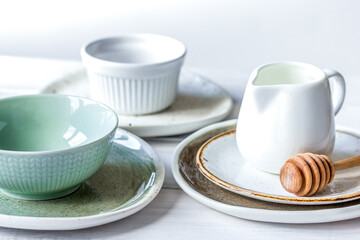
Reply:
x=173 y=214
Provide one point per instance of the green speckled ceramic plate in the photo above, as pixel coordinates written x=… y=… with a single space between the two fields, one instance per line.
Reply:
x=130 y=179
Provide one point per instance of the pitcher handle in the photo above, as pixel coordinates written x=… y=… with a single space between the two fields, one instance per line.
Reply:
x=339 y=88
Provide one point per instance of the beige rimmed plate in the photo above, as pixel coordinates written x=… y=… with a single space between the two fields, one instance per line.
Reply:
x=220 y=161
x=194 y=183
x=199 y=102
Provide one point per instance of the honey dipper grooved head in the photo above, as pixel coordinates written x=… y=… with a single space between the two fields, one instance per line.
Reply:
x=307 y=173
x=292 y=180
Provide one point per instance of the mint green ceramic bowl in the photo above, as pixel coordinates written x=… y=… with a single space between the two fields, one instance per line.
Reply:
x=50 y=144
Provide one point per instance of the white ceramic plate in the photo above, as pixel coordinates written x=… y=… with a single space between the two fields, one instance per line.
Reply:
x=220 y=161
x=194 y=183
x=199 y=103
x=129 y=180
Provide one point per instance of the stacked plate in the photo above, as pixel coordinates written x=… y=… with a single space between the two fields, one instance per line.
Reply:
x=207 y=166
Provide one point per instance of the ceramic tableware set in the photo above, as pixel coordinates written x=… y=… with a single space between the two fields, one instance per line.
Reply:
x=65 y=164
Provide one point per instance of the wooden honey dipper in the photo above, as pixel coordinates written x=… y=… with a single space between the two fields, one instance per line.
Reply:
x=307 y=173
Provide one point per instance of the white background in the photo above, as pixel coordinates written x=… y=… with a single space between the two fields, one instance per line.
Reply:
x=235 y=36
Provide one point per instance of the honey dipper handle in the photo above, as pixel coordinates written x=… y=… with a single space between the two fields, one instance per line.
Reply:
x=347 y=163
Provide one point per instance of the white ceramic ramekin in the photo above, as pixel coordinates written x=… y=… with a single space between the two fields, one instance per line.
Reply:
x=134 y=73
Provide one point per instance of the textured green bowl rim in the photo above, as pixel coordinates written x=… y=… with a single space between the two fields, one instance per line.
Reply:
x=70 y=148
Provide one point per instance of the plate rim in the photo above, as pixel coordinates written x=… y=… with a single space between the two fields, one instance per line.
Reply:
x=158 y=130
x=73 y=223
x=268 y=196
x=256 y=214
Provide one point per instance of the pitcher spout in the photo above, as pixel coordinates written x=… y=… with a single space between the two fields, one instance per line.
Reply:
x=261 y=91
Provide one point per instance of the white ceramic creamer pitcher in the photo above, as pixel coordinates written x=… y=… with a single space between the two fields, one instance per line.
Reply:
x=288 y=108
